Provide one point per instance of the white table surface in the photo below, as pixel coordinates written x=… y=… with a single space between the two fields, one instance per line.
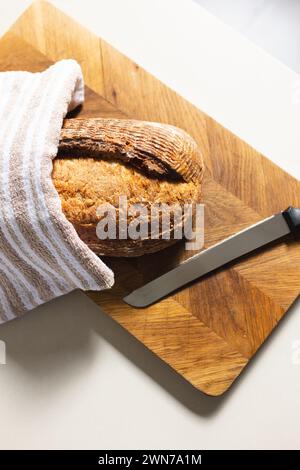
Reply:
x=73 y=378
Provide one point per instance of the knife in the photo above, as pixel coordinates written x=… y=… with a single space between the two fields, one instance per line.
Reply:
x=232 y=248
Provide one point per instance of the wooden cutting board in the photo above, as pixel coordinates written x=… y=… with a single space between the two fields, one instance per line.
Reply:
x=210 y=331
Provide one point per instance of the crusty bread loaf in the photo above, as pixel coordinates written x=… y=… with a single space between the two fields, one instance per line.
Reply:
x=101 y=159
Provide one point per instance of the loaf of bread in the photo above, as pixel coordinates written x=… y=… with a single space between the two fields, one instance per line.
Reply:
x=148 y=163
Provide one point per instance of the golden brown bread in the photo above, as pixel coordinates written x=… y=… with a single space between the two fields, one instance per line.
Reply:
x=101 y=159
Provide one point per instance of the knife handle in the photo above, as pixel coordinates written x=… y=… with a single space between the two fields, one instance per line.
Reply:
x=292 y=218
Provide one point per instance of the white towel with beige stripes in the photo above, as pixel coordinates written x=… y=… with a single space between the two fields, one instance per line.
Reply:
x=41 y=255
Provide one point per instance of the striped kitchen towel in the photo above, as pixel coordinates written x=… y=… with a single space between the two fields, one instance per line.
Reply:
x=41 y=255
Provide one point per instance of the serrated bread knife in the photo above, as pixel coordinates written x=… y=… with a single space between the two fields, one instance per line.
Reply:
x=232 y=248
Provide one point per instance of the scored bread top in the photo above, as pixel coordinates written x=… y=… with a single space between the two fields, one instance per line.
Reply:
x=159 y=149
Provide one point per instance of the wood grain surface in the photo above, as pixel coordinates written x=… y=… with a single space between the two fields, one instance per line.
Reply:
x=209 y=331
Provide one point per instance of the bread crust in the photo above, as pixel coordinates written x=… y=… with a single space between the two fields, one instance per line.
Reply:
x=101 y=159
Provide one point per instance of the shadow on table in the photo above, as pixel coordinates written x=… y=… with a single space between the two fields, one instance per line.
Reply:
x=55 y=339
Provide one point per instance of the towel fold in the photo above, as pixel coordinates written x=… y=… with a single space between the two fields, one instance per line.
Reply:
x=41 y=255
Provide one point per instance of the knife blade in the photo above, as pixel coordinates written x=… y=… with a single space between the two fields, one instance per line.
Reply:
x=230 y=249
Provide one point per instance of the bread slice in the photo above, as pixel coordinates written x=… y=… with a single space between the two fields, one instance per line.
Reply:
x=149 y=163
